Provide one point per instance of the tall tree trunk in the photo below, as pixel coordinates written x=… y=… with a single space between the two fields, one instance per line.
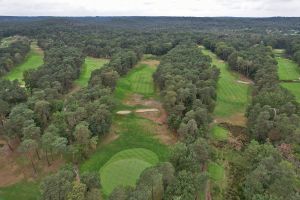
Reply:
x=37 y=153
x=52 y=155
x=32 y=163
x=9 y=146
x=47 y=158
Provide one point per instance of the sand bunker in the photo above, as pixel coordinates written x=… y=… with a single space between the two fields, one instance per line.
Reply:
x=147 y=110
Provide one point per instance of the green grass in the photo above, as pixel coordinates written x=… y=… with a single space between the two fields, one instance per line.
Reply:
x=232 y=97
x=287 y=69
x=125 y=167
x=216 y=172
x=219 y=133
x=33 y=60
x=22 y=190
x=90 y=65
x=133 y=131
x=294 y=88
x=139 y=80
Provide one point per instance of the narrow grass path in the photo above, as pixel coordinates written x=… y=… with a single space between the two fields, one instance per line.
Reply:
x=89 y=66
x=232 y=96
x=120 y=161
x=288 y=70
x=33 y=60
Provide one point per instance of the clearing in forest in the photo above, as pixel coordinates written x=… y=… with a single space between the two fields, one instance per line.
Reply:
x=90 y=64
x=135 y=146
x=33 y=60
x=232 y=96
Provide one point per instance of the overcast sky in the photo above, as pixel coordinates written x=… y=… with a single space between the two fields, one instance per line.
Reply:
x=243 y=8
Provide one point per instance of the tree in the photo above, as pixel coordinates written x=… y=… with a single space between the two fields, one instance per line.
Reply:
x=43 y=110
x=77 y=192
x=57 y=186
x=28 y=146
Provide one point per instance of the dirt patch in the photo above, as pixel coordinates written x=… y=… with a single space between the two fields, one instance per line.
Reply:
x=151 y=63
x=15 y=167
x=155 y=113
x=244 y=79
x=110 y=137
x=238 y=119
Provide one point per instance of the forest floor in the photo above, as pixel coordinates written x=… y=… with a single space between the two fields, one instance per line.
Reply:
x=33 y=60
x=289 y=73
x=141 y=126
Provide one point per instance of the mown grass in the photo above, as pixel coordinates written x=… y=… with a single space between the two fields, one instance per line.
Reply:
x=133 y=131
x=33 y=60
x=125 y=167
x=138 y=81
x=89 y=65
x=23 y=190
x=216 y=171
x=232 y=97
x=294 y=88
x=287 y=69
x=219 y=133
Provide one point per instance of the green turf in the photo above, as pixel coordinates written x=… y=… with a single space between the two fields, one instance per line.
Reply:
x=294 y=88
x=125 y=167
x=138 y=153
x=90 y=65
x=22 y=190
x=33 y=60
x=232 y=97
x=139 y=80
x=133 y=131
x=216 y=172
x=287 y=69
x=219 y=133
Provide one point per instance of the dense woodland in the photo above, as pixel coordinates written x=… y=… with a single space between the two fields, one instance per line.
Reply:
x=46 y=122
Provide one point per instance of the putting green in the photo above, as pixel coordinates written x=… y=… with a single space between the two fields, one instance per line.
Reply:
x=125 y=167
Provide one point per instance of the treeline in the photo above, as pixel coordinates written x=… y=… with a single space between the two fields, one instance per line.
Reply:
x=273 y=118
x=84 y=118
x=13 y=53
x=62 y=65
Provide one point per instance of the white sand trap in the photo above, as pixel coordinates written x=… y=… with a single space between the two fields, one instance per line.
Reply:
x=124 y=112
x=147 y=110
x=244 y=82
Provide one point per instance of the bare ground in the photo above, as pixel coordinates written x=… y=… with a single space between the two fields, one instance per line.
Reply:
x=238 y=119
x=157 y=114
x=15 y=167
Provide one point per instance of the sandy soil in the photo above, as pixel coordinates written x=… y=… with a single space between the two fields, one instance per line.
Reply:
x=155 y=113
x=14 y=166
x=237 y=120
